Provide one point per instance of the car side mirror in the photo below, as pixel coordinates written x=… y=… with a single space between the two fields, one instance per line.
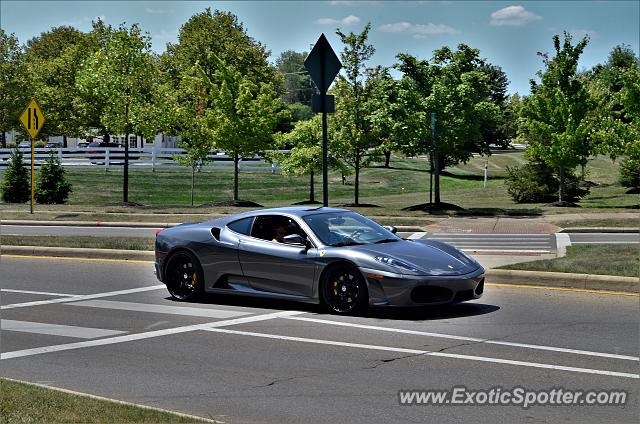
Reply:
x=391 y=228
x=295 y=239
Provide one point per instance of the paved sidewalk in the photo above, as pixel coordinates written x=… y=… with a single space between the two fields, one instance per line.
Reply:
x=494 y=225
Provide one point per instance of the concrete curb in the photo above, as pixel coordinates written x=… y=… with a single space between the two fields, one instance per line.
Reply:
x=600 y=230
x=499 y=276
x=564 y=280
x=74 y=252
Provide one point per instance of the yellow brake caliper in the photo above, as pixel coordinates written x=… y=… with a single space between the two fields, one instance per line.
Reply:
x=335 y=288
x=194 y=280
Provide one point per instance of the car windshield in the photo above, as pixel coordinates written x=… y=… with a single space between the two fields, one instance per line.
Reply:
x=348 y=229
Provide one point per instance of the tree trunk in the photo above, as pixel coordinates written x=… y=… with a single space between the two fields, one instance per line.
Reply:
x=387 y=158
x=64 y=141
x=106 y=137
x=436 y=178
x=4 y=139
x=357 y=179
x=236 y=159
x=312 y=197
x=561 y=189
x=193 y=180
x=125 y=178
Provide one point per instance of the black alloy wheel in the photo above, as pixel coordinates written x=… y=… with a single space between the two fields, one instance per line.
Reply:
x=184 y=277
x=344 y=291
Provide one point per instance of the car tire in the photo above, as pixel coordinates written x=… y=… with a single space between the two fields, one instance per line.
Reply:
x=184 y=277
x=343 y=290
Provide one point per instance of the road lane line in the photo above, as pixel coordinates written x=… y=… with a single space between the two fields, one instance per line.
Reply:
x=428 y=353
x=38 y=292
x=465 y=338
x=417 y=236
x=82 y=297
x=144 y=335
x=160 y=309
x=56 y=329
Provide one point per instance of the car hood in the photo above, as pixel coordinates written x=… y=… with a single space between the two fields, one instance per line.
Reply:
x=427 y=256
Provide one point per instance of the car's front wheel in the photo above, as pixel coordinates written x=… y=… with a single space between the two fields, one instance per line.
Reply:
x=344 y=290
x=184 y=276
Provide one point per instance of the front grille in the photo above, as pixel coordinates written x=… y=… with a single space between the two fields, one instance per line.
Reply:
x=463 y=296
x=431 y=294
x=480 y=287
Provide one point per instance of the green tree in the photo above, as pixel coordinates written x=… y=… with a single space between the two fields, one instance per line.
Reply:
x=52 y=186
x=554 y=119
x=120 y=75
x=241 y=116
x=53 y=59
x=297 y=84
x=13 y=84
x=352 y=140
x=454 y=86
x=16 y=187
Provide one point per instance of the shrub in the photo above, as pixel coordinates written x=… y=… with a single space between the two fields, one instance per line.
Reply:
x=52 y=185
x=16 y=187
x=535 y=182
x=630 y=174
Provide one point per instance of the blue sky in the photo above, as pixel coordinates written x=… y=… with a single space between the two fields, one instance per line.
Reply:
x=507 y=33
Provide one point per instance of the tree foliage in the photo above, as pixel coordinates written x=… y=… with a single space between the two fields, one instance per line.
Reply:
x=13 y=85
x=16 y=186
x=555 y=118
x=297 y=84
x=454 y=86
x=52 y=186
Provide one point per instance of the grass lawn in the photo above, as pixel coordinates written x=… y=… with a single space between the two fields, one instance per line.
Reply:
x=623 y=260
x=87 y=242
x=26 y=403
x=404 y=184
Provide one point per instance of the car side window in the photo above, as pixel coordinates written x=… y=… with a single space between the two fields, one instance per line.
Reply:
x=241 y=226
x=275 y=227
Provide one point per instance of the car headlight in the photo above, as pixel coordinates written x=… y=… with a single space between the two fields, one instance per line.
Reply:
x=396 y=263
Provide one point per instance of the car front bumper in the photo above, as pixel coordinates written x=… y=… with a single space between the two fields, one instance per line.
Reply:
x=391 y=289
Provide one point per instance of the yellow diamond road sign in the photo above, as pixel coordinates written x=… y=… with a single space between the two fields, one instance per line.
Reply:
x=32 y=119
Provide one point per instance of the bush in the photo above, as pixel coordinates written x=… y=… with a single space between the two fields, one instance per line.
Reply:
x=16 y=187
x=52 y=185
x=535 y=182
x=630 y=174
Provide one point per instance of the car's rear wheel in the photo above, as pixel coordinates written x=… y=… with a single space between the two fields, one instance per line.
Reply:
x=344 y=291
x=184 y=276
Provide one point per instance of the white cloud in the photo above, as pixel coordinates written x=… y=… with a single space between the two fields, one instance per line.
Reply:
x=165 y=35
x=419 y=30
x=348 y=20
x=513 y=16
x=81 y=21
x=158 y=11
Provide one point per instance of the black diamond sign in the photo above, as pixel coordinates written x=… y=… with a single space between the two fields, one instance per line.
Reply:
x=323 y=64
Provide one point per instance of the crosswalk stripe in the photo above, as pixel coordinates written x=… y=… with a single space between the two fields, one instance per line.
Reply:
x=56 y=329
x=160 y=309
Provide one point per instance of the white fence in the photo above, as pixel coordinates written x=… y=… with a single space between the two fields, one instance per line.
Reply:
x=139 y=158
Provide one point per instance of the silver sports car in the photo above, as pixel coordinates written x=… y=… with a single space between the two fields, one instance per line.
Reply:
x=335 y=257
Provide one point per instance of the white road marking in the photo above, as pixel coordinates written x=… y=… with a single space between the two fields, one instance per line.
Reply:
x=82 y=297
x=562 y=242
x=469 y=339
x=145 y=335
x=428 y=353
x=605 y=242
x=160 y=309
x=38 y=292
x=416 y=236
x=56 y=329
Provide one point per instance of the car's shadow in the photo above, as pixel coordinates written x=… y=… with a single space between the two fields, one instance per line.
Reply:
x=418 y=313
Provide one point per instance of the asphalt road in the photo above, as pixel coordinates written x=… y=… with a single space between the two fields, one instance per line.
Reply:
x=109 y=328
x=537 y=243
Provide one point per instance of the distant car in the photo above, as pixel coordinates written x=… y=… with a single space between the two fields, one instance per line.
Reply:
x=82 y=144
x=334 y=257
x=53 y=145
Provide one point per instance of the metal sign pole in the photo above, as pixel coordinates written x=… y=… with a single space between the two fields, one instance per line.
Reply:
x=325 y=170
x=32 y=174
